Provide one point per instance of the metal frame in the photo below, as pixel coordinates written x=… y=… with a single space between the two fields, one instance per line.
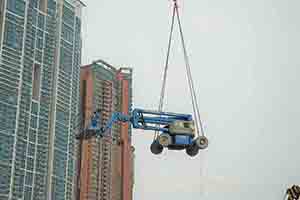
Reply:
x=140 y=119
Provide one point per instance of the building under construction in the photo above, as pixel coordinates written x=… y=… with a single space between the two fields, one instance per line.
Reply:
x=106 y=165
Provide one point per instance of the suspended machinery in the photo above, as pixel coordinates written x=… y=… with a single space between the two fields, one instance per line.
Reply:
x=173 y=131
x=177 y=131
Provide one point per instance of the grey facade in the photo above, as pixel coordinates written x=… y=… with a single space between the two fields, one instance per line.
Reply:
x=40 y=52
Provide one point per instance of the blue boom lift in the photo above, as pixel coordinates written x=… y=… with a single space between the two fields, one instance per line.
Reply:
x=176 y=131
x=172 y=130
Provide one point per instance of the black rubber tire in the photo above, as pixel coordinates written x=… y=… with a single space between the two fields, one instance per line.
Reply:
x=156 y=148
x=192 y=150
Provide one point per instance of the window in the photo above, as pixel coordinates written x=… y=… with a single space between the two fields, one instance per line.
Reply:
x=5 y=178
x=34 y=16
x=67 y=33
x=16 y=6
x=34 y=108
x=39 y=43
x=6 y=148
x=27 y=194
x=40 y=33
x=13 y=36
x=30 y=164
x=20 y=7
x=38 y=55
x=68 y=16
x=36 y=82
x=31 y=149
x=41 y=21
x=51 y=7
x=34 y=122
x=18 y=182
x=66 y=60
x=32 y=134
x=28 y=178
x=33 y=3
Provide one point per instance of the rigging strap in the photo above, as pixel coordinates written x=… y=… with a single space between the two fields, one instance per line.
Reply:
x=163 y=89
x=196 y=111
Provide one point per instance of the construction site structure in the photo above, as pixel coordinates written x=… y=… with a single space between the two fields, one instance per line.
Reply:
x=106 y=166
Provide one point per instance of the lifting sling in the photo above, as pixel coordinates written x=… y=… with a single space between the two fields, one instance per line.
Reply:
x=196 y=112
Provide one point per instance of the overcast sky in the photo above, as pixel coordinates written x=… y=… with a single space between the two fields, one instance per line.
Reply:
x=245 y=61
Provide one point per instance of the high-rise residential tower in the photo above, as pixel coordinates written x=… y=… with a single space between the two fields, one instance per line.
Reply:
x=106 y=165
x=40 y=57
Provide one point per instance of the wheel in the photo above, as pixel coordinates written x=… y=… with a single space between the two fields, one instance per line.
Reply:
x=164 y=139
x=192 y=150
x=156 y=148
x=201 y=142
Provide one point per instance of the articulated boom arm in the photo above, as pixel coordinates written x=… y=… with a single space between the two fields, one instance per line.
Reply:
x=116 y=117
x=176 y=130
x=152 y=120
x=141 y=119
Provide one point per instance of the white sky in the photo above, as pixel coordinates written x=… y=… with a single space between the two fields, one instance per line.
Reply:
x=245 y=62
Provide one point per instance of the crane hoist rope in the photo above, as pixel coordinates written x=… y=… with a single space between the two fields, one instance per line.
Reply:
x=196 y=111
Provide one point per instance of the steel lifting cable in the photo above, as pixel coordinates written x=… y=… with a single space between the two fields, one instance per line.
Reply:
x=163 y=89
x=196 y=111
x=189 y=75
